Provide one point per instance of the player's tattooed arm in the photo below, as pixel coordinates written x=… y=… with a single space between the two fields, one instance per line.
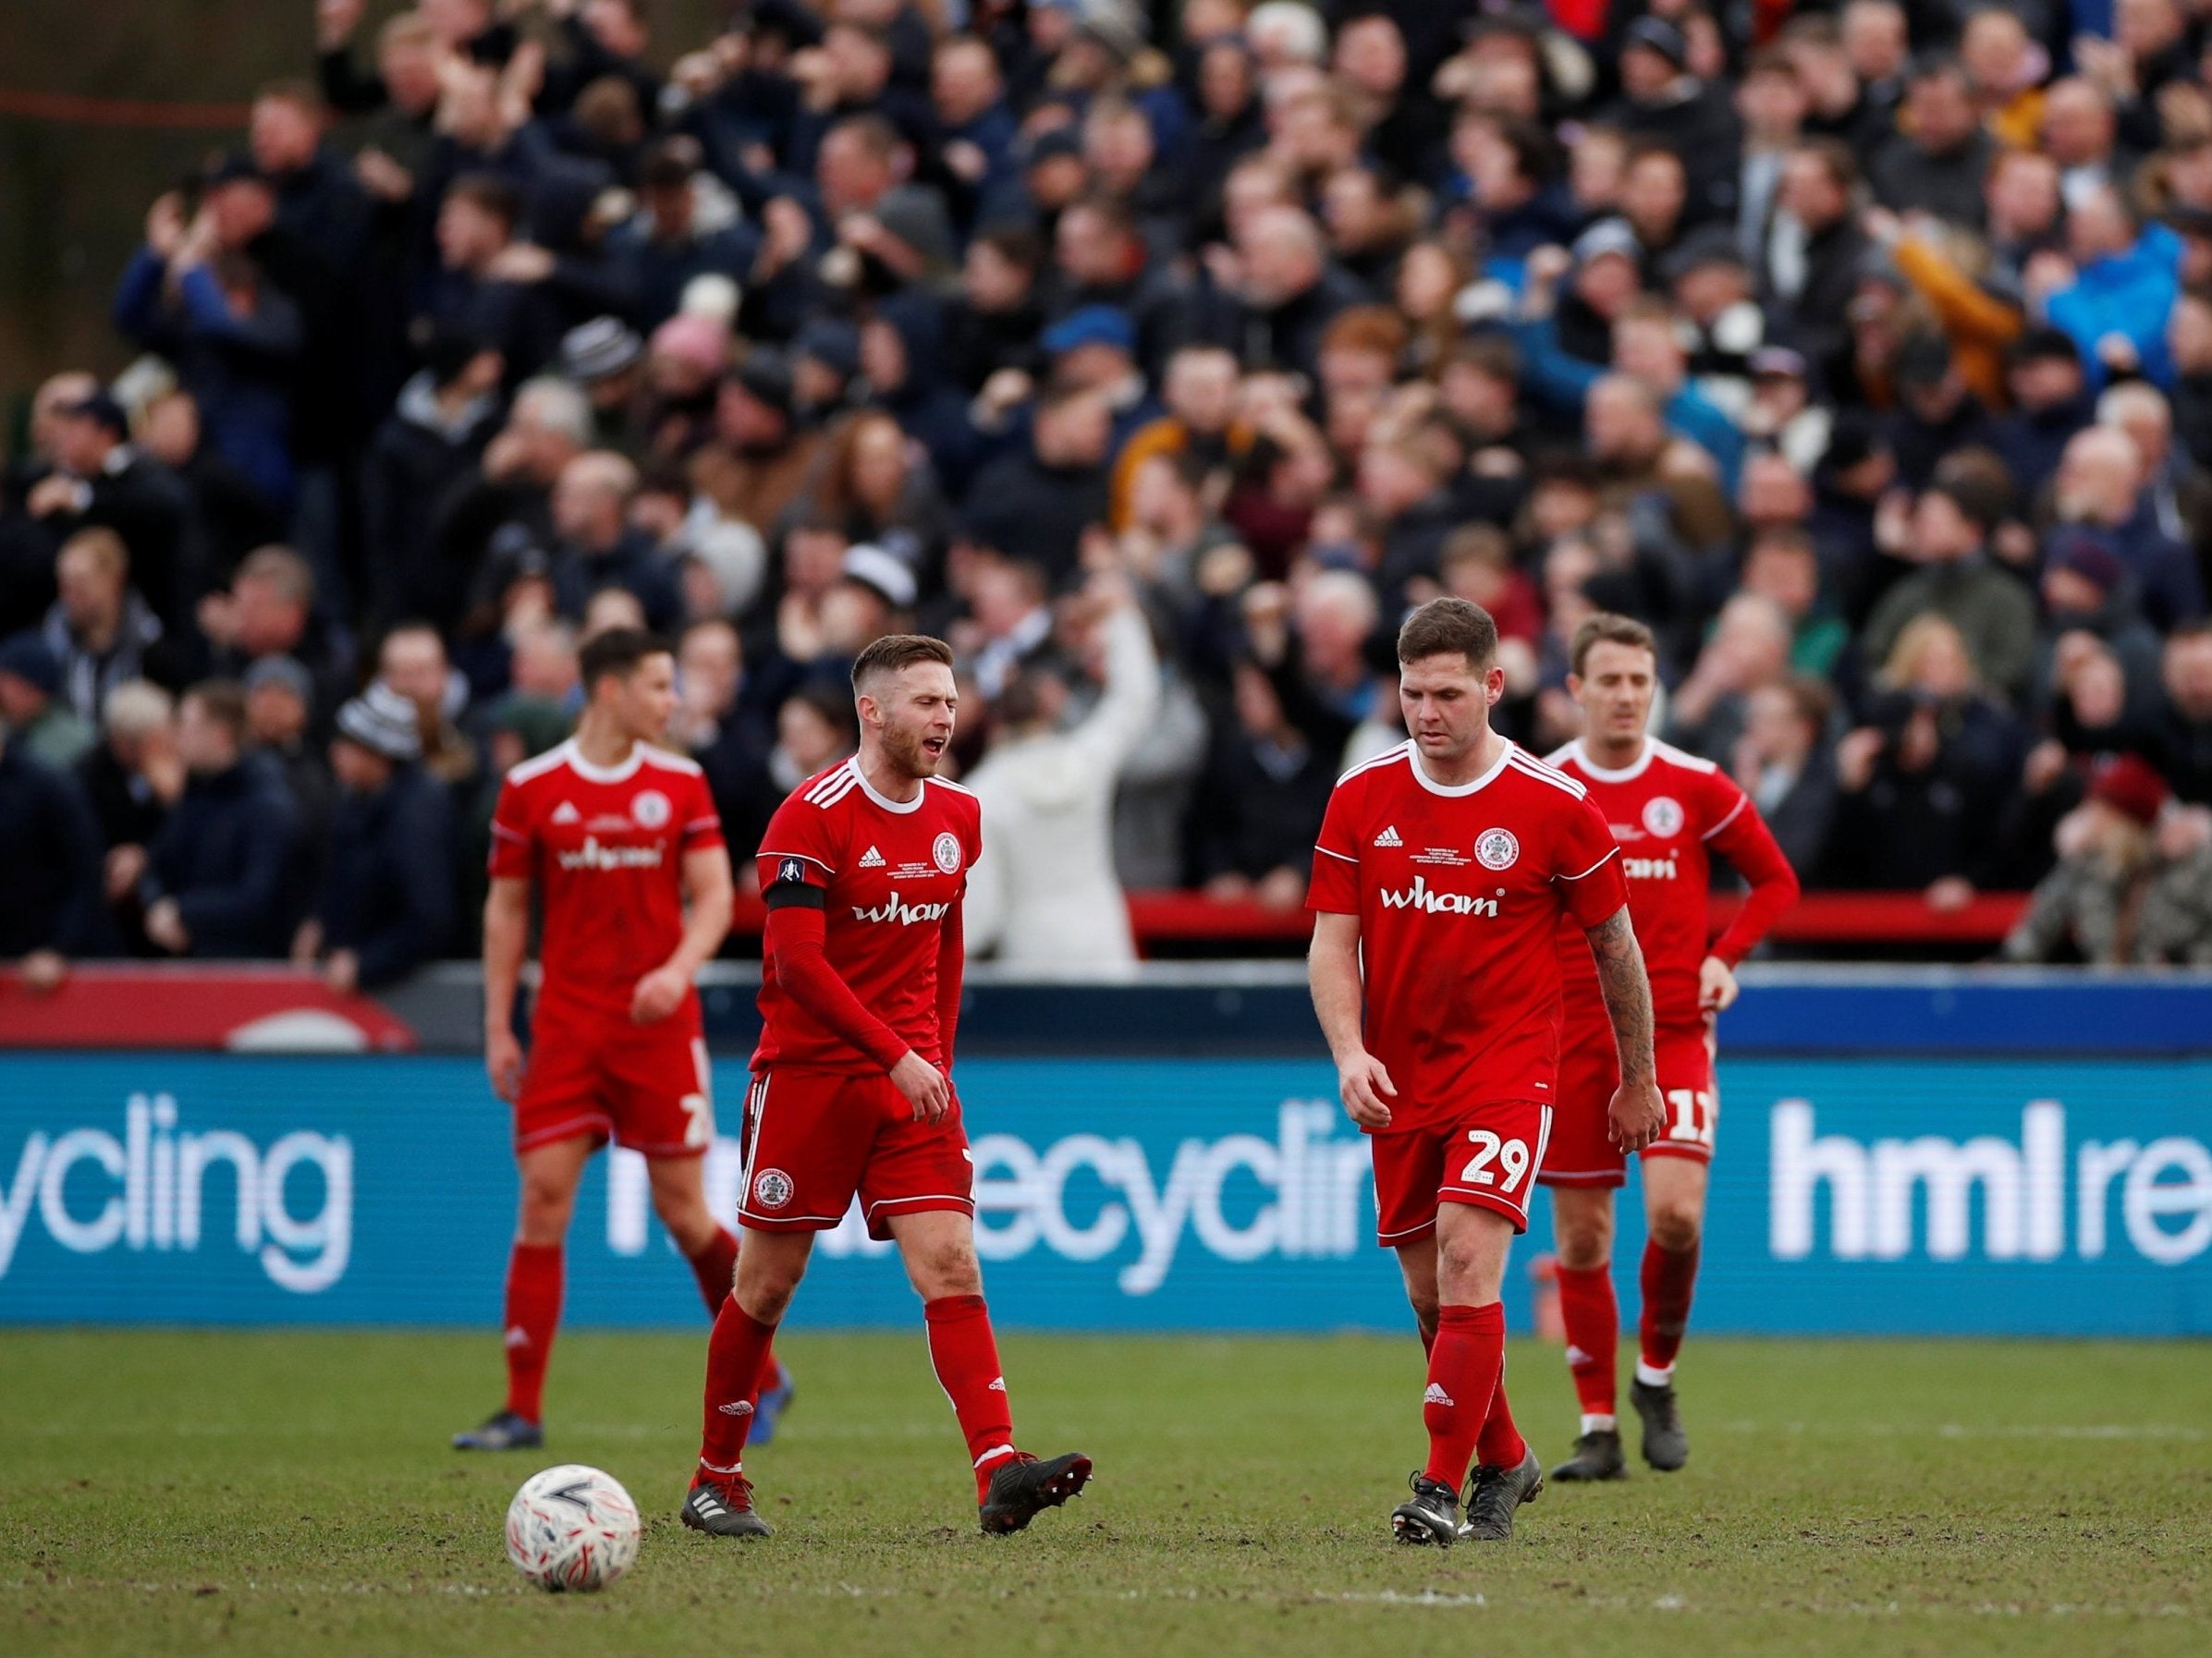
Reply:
x=1636 y=1116
x=1627 y=991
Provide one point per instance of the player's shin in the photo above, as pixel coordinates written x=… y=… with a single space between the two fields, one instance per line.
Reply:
x=1670 y=1279
x=965 y=1354
x=1465 y=1366
x=737 y=1354
x=1590 y=1313
x=534 y=1313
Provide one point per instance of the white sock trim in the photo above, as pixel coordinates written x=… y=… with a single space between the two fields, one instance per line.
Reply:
x=1601 y=1424
x=994 y=1454
x=1651 y=1377
x=735 y=1467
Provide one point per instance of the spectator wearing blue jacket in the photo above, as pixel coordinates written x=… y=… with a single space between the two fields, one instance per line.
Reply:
x=214 y=883
x=233 y=340
x=387 y=904
x=1645 y=345
x=2126 y=278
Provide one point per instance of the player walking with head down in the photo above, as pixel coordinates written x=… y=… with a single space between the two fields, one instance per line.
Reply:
x=622 y=843
x=1443 y=869
x=1669 y=811
x=862 y=870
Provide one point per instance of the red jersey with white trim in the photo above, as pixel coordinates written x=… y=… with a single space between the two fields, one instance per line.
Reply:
x=605 y=847
x=1458 y=891
x=1670 y=812
x=891 y=874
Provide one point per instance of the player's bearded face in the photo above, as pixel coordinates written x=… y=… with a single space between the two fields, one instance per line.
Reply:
x=1446 y=703
x=918 y=709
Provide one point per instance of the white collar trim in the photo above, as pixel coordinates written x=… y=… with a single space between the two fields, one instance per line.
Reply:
x=884 y=801
x=1455 y=789
x=601 y=773
x=1635 y=768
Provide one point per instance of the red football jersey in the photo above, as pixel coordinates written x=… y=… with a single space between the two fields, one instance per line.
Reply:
x=890 y=876
x=1670 y=812
x=605 y=847
x=1459 y=892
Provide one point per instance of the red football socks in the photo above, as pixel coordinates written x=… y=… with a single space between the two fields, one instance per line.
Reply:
x=1463 y=1368
x=1499 y=1444
x=715 y=1267
x=1669 y=1277
x=1591 y=1314
x=966 y=1357
x=737 y=1357
x=533 y=1313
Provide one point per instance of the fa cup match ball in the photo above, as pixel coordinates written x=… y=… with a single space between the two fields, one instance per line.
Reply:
x=572 y=1528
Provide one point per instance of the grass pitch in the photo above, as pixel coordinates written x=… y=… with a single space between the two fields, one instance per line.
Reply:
x=177 y=1492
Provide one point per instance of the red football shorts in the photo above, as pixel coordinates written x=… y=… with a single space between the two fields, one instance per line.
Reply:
x=1590 y=1071
x=647 y=1087
x=817 y=1140
x=1487 y=1158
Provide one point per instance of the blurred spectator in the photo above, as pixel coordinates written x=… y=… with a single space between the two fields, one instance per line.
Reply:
x=212 y=884
x=100 y=631
x=1782 y=761
x=270 y=611
x=2185 y=721
x=1261 y=802
x=1924 y=778
x=97 y=477
x=386 y=898
x=597 y=546
x=1033 y=506
x=2122 y=893
x=1749 y=651
x=135 y=775
x=1044 y=895
x=2100 y=487
x=50 y=902
x=1935 y=161
x=40 y=721
x=435 y=437
x=1991 y=612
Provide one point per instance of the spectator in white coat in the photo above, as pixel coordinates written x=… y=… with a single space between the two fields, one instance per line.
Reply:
x=1043 y=896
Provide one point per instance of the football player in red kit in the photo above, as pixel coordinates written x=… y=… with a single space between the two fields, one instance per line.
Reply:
x=1670 y=812
x=862 y=870
x=622 y=843
x=1444 y=867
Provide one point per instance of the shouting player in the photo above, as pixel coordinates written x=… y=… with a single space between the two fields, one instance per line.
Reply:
x=1443 y=870
x=862 y=870
x=1669 y=811
x=619 y=840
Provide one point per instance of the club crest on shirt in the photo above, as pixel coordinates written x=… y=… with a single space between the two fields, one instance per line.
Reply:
x=651 y=808
x=772 y=1188
x=1662 y=816
x=947 y=851
x=1496 y=848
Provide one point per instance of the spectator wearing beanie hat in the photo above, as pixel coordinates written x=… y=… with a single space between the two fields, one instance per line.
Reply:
x=2122 y=893
x=2086 y=590
x=386 y=900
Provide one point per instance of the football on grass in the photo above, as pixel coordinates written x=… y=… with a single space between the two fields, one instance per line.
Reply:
x=572 y=1528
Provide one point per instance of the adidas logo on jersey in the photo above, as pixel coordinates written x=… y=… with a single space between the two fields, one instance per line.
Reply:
x=1388 y=837
x=871 y=860
x=1437 y=1396
x=566 y=813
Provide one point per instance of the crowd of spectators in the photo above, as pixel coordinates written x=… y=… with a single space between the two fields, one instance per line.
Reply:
x=1159 y=356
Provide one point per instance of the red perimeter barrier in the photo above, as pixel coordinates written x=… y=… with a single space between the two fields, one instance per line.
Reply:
x=1188 y=918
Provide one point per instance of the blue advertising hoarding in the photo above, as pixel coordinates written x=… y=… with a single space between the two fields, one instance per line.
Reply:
x=1850 y=1195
